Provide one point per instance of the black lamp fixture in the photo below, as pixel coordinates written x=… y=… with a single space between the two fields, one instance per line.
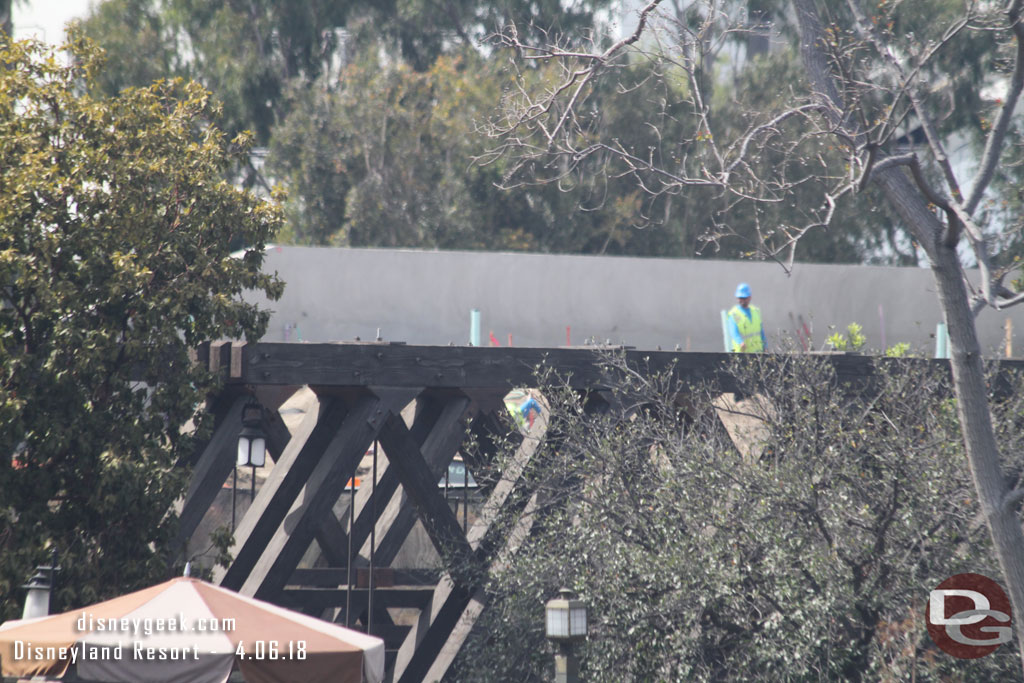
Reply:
x=252 y=449
x=252 y=442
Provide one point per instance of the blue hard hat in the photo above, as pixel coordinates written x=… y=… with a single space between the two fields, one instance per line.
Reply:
x=742 y=290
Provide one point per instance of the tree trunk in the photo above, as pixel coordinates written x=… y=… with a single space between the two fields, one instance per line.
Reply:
x=6 y=19
x=979 y=437
x=969 y=386
x=908 y=200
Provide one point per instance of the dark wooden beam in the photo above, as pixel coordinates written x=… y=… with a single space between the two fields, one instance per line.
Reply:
x=333 y=540
x=331 y=534
x=430 y=632
x=420 y=484
x=463 y=367
x=427 y=411
x=217 y=356
x=429 y=650
x=452 y=605
x=280 y=489
x=293 y=534
x=212 y=470
x=277 y=433
x=437 y=450
x=485 y=400
x=323 y=486
x=503 y=488
x=468 y=367
x=432 y=410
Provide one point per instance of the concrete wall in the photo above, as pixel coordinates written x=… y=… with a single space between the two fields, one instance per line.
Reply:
x=425 y=297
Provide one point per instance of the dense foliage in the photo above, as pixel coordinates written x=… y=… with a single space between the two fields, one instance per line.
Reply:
x=115 y=226
x=913 y=103
x=251 y=53
x=810 y=558
x=394 y=167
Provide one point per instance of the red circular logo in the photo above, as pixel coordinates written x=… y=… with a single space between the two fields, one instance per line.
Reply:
x=969 y=616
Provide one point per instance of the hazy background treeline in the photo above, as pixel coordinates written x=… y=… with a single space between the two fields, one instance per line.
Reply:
x=372 y=117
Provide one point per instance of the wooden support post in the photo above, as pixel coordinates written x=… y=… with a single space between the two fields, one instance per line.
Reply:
x=451 y=596
x=509 y=480
x=323 y=486
x=453 y=614
x=218 y=460
x=280 y=489
x=420 y=484
x=332 y=538
x=295 y=530
x=212 y=470
x=474 y=607
x=399 y=518
x=278 y=435
x=427 y=412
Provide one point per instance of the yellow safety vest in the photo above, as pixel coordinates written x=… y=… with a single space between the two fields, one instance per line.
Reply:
x=750 y=329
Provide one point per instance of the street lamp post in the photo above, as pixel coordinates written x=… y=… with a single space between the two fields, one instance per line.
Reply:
x=566 y=624
x=38 y=589
x=37 y=596
x=252 y=449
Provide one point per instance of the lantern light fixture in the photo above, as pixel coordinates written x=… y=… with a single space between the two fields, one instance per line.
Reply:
x=252 y=442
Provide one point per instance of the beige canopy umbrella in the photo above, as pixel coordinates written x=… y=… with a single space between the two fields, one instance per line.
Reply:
x=188 y=631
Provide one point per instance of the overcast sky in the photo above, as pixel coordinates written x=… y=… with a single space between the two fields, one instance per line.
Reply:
x=45 y=19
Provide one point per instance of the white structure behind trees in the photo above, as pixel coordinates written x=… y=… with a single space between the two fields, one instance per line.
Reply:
x=425 y=297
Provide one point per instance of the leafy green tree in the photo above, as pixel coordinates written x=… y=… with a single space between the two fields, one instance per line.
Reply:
x=388 y=164
x=139 y=46
x=6 y=23
x=805 y=554
x=382 y=154
x=246 y=53
x=387 y=159
x=250 y=54
x=115 y=222
x=425 y=30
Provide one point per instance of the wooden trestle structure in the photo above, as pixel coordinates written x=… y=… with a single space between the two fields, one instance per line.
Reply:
x=363 y=388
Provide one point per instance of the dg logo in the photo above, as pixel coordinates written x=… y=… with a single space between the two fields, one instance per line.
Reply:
x=969 y=615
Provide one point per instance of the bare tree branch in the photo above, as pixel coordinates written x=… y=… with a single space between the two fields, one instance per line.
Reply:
x=770 y=126
x=997 y=136
x=924 y=116
x=1012 y=499
x=960 y=211
x=908 y=203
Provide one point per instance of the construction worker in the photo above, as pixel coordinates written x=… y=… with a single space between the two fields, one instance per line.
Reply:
x=745 y=327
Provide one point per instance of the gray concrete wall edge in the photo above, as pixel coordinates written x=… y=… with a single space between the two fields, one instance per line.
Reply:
x=425 y=297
